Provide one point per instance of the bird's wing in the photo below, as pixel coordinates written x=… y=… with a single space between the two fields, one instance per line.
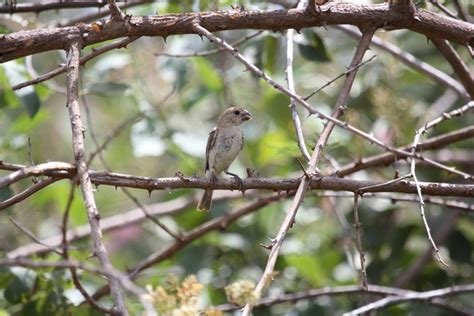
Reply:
x=211 y=140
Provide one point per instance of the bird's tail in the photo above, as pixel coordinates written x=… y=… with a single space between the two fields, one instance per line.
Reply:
x=205 y=201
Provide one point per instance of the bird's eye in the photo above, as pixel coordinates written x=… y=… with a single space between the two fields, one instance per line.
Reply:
x=236 y=112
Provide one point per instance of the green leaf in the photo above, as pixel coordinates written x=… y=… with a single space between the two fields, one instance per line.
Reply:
x=208 y=74
x=314 y=49
x=15 y=290
x=270 y=53
x=308 y=267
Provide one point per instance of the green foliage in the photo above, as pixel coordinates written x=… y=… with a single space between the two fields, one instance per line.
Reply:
x=314 y=48
x=388 y=100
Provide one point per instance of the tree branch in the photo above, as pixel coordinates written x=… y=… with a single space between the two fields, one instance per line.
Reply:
x=218 y=223
x=284 y=184
x=84 y=176
x=23 y=43
x=460 y=68
x=411 y=61
x=389 y=158
x=412 y=296
x=95 y=52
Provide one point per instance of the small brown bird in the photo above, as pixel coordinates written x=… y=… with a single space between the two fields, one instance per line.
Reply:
x=223 y=145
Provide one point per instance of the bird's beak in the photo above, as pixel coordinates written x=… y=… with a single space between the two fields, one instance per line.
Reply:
x=246 y=115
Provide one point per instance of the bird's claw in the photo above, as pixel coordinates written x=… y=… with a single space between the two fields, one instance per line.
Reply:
x=237 y=179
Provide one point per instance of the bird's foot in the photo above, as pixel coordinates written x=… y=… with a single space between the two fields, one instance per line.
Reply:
x=237 y=179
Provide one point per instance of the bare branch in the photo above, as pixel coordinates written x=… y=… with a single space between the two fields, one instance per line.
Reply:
x=375 y=290
x=462 y=11
x=388 y=158
x=34 y=171
x=20 y=44
x=443 y=8
x=14 y=7
x=288 y=222
x=218 y=223
x=448 y=223
x=212 y=51
x=416 y=140
x=136 y=216
x=345 y=73
x=32 y=236
x=26 y=193
x=412 y=62
x=291 y=87
x=65 y=255
x=115 y=11
x=412 y=296
x=95 y=52
x=84 y=176
x=109 y=224
x=285 y=184
x=460 y=68
x=363 y=272
x=100 y=14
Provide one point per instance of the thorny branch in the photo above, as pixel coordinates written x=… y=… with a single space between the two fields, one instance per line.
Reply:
x=412 y=296
x=84 y=175
x=416 y=140
x=20 y=44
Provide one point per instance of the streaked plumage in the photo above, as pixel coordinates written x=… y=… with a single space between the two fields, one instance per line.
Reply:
x=223 y=145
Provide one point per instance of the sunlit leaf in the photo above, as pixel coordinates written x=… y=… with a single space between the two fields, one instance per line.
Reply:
x=208 y=74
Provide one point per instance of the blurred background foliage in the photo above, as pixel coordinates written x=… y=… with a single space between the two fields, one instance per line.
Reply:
x=179 y=100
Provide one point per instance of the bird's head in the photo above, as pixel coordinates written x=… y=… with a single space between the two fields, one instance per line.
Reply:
x=234 y=116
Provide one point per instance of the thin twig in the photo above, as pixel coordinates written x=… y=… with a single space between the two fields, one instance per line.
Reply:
x=100 y=147
x=371 y=187
x=27 y=193
x=95 y=52
x=65 y=254
x=97 y=15
x=411 y=61
x=389 y=157
x=115 y=11
x=374 y=290
x=358 y=242
x=115 y=222
x=459 y=66
x=443 y=8
x=218 y=223
x=84 y=176
x=211 y=51
x=412 y=296
x=345 y=73
x=135 y=216
x=291 y=87
x=440 y=236
x=462 y=11
x=32 y=236
x=419 y=133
